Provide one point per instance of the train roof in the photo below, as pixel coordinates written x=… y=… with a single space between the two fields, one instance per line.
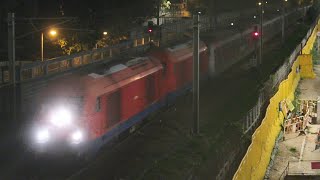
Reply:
x=68 y=86
x=183 y=51
x=121 y=74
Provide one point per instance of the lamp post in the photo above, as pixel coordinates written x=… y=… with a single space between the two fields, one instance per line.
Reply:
x=261 y=4
x=196 y=20
x=283 y=3
x=52 y=33
x=104 y=33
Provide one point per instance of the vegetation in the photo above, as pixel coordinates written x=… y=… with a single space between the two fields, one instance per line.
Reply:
x=293 y=149
x=69 y=46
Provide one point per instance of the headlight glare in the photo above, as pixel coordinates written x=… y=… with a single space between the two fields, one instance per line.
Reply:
x=76 y=137
x=61 y=118
x=42 y=136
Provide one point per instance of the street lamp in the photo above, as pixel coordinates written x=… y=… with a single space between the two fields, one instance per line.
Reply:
x=283 y=4
x=52 y=33
x=104 y=33
x=261 y=9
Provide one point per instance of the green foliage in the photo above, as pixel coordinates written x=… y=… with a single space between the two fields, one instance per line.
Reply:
x=110 y=40
x=296 y=98
x=71 y=45
x=165 y=5
x=293 y=150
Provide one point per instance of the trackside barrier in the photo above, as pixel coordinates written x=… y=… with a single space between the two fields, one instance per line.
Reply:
x=306 y=66
x=255 y=162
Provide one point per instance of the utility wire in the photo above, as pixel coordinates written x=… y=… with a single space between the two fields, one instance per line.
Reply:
x=41 y=29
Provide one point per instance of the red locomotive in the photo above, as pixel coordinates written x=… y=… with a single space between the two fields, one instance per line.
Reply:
x=93 y=108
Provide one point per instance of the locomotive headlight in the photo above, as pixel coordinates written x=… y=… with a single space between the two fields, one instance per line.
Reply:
x=61 y=118
x=42 y=136
x=76 y=137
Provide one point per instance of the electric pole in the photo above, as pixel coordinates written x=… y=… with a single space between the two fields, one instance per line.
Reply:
x=159 y=29
x=158 y=12
x=196 y=19
x=283 y=21
x=11 y=46
x=12 y=59
x=261 y=32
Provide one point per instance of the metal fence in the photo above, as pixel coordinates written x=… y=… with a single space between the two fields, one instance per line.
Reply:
x=300 y=168
x=251 y=119
x=29 y=71
x=171 y=31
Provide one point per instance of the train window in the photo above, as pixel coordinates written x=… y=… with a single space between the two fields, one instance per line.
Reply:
x=98 y=104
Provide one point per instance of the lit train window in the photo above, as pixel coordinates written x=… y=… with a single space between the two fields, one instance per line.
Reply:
x=98 y=104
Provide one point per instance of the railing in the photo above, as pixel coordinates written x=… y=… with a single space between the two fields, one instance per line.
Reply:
x=4 y=72
x=302 y=167
x=35 y=70
x=251 y=118
x=29 y=71
x=285 y=172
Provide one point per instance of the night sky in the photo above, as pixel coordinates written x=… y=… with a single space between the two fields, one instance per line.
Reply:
x=99 y=15
x=82 y=8
x=103 y=7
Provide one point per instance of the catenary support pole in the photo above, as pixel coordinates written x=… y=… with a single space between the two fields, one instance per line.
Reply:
x=158 y=12
x=12 y=60
x=196 y=74
x=158 y=22
x=283 y=22
x=261 y=33
x=42 y=46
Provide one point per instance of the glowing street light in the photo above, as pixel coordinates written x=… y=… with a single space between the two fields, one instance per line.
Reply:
x=52 y=33
x=260 y=34
x=105 y=33
x=283 y=6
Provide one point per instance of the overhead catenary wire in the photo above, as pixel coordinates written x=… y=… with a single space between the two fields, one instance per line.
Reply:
x=41 y=29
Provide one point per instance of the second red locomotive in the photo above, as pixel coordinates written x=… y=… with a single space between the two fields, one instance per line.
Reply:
x=88 y=110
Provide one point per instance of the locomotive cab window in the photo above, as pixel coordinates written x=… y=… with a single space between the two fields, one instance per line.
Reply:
x=98 y=104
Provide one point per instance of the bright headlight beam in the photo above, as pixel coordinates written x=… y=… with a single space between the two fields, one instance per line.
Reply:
x=61 y=117
x=77 y=137
x=42 y=136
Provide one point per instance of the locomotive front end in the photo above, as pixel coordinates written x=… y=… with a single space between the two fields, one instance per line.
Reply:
x=59 y=127
x=58 y=122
